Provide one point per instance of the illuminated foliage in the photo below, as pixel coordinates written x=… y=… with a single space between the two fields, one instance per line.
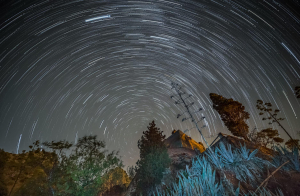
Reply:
x=233 y=115
x=85 y=167
x=266 y=137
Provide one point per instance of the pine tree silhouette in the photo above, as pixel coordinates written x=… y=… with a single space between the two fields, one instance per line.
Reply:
x=152 y=138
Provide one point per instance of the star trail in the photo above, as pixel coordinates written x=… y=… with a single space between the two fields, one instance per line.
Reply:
x=74 y=68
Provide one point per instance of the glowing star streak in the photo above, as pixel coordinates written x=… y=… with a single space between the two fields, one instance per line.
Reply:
x=19 y=143
x=290 y=104
x=97 y=18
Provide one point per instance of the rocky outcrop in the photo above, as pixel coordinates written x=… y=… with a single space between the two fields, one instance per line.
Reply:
x=181 y=140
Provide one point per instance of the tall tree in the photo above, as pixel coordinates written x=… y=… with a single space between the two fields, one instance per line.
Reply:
x=151 y=169
x=154 y=159
x=150 y=138
x=233 y=115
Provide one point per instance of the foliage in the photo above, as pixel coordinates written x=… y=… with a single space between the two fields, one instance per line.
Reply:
x=265 y=137
x=84 y=172
x=150 y=138
x=116 y=177
x=26 y=167
x=284 y=156
x=232 y=113
x=290 y=144
x=35 y=186
x=267 y=107
x=85 y=167
x=150 y=169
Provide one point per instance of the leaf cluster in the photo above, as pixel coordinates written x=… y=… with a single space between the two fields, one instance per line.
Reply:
x=232 y=113
x=266 y=137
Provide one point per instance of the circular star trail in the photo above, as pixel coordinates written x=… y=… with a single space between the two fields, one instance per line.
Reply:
x=73 y=68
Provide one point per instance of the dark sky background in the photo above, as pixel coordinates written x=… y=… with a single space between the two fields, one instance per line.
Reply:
x=71 y=68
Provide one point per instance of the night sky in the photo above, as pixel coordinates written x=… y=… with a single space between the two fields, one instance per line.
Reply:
x=74 y=68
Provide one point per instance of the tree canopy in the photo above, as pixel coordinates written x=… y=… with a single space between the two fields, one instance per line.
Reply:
x=233 y=115
x=267 y=137
x=150 y=138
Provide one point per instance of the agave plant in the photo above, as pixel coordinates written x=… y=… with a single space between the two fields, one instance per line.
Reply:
x=201 y=180
x=243 y=163
x=284 y=156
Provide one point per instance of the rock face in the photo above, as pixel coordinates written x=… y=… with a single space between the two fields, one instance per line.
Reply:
x=178 y=139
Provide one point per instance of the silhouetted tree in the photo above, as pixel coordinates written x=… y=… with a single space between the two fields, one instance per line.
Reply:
x=151 y=169
x=233 y=115
x=154 y=159
x=267 y=108
x=151 y=138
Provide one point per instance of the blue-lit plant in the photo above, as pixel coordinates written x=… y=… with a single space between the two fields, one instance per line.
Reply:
x=290 y=158
x=243 y=163
x=200 y=179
